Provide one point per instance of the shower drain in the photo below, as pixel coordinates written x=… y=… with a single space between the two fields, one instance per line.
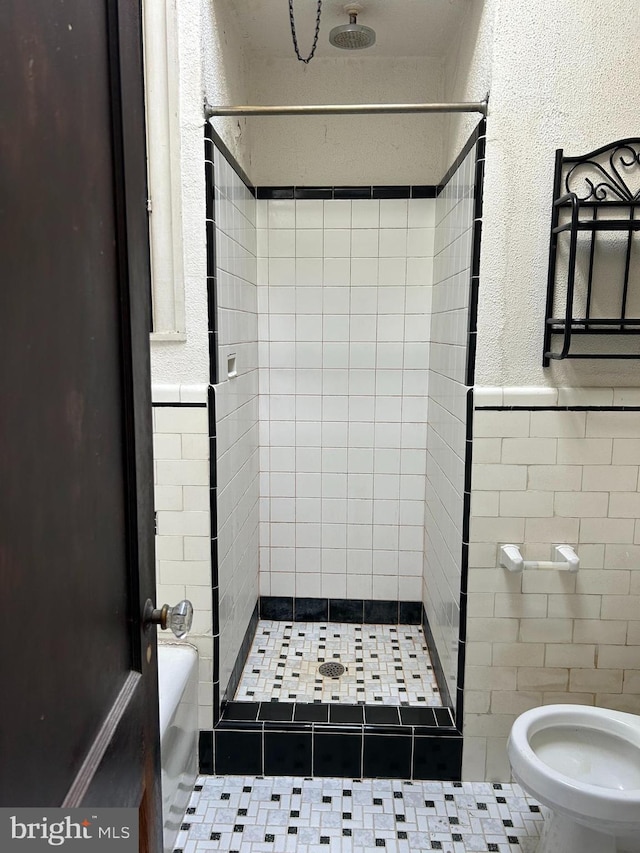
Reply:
x=331 y=670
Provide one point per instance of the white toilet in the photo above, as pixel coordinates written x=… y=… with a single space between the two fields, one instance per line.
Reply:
x=583 y=764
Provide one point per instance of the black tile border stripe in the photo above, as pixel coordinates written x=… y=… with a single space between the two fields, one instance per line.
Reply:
x=178 y=405
x=476 y=133
x=354 y=193
x=205 y=753
x=558 y=409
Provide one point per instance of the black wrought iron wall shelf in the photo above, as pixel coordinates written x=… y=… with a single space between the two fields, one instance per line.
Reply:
x=594 y=274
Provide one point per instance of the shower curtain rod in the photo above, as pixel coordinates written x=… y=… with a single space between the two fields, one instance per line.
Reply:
x=345 y=109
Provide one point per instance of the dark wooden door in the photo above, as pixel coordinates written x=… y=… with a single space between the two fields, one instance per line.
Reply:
x=79 y=719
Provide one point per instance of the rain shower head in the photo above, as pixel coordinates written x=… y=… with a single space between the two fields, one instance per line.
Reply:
x=352 y=36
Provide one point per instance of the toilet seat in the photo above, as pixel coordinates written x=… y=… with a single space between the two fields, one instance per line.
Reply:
x=560 y=753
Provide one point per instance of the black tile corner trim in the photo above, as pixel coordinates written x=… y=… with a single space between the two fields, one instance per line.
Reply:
x=240 y=711
x=425 y=191
x=409 y=612
x=437 y=758
x=478 y=132
x=215 y=137
x=205 y=753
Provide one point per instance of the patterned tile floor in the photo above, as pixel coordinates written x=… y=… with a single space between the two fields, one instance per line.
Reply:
x=385 y=664
x=294 y=815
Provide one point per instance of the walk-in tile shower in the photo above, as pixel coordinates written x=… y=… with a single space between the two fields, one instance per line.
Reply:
x=341 y=329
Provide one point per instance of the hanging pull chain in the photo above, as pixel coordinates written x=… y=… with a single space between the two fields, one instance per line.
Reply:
x=294 y=35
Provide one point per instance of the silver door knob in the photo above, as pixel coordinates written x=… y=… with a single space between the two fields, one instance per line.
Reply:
x=178 y=618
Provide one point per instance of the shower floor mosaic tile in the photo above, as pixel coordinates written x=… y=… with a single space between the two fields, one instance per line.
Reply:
x=295 y=815
x=385 y=664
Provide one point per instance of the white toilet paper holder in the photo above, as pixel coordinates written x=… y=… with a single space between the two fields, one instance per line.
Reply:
x=511 y=559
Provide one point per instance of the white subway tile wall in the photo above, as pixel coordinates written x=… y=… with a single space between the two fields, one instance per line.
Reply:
x=544 y=636
x=236 y=403
x=183 y=550
x=446 y=437
x=344 y=301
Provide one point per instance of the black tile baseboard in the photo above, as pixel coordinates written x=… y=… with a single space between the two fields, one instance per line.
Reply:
x=354 y=611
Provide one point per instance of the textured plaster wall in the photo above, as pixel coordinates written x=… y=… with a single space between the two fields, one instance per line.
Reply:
x=212 y=65
x=562 y=75
x=347 y=150
x=467 y=73
x=226 y=75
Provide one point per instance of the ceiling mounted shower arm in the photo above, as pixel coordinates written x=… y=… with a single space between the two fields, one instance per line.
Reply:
x=344 y=109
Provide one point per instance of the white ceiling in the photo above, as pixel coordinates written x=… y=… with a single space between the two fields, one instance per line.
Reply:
x=403 y=27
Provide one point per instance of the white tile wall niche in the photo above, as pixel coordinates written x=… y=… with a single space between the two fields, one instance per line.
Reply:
x=447 y=432
x=181 y=488
x=542 y=478
x=236 y=403
x=344 y=301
